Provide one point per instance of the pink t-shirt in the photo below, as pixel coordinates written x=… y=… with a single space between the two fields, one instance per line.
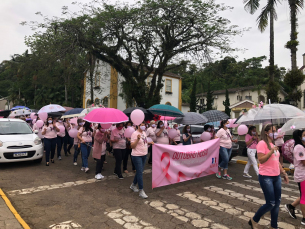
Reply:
x=253 y=143
x=151 y=133
x=85 y=135
x=177 y=138
x=271 y=166
x=279 y=141
x=58 y=124
x=299 y=168
x=142 y=146
x=117 y=134
x=163 y=137
x=39 y=130
x=50 y=132
x=225 y=138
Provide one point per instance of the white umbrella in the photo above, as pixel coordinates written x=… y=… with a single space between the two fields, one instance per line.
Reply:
x=292 y=125
x=51 y=108
x=20 y=112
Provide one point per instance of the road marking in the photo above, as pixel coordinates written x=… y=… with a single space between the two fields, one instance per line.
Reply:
x=65 y=225
x=247 y=198
x=67 y=184
x=229 y=209
x=127 y=220
x=283 y=188
x=184 y=215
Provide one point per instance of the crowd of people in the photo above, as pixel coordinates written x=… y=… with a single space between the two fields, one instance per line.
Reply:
x=267 y=149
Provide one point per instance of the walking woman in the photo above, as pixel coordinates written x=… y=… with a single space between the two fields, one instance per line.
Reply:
x=251 y=140
x=151 y=133
x=118 y=141
x=60 y=139
x=85 y=137
x=225 y=149
x=128 y=151
x=162 y=134
x=76 y=141
x=50 y=136
x=269 y=177
x=67 y=139
x=99 y=150
x=187 y=136
x=139 y=147
x=176 y=140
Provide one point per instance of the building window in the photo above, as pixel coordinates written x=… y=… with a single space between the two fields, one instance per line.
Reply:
x=88 y=103
x=168 y=103
x=249 y=97
x=97 y=79
x=96 y=101
x=168 y=85
x=261 y=98
x=239 y=98
x=105 y=101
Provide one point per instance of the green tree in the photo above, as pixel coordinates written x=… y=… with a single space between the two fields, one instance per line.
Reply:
x=193 y=97
x=226 y=103
x=267 y=17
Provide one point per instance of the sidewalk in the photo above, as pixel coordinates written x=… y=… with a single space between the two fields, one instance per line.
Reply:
x=7 y=219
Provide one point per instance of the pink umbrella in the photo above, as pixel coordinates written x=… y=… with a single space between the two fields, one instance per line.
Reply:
x=167 y=118
x=106 y=115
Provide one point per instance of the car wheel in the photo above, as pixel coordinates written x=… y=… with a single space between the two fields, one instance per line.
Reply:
x=38 y=160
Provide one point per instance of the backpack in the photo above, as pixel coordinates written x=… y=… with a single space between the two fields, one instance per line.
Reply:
x=287 y=150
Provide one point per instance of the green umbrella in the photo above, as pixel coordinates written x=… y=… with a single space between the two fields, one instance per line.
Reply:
x=166 y=110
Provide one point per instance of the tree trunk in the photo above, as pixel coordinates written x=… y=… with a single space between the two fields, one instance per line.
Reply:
x=66 y=95
x=293 y=34
x=271 y=60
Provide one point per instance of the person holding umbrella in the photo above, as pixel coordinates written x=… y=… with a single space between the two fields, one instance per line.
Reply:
x=269 y=177
x=60 y=139
x=225 y=149
x=161 y=134
x=128 y=151
x=50 y=136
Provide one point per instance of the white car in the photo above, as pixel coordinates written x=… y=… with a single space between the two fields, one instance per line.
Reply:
x=18 y=142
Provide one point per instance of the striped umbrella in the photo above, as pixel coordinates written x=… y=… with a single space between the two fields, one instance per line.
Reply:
x=215 y=115
x=191 y=118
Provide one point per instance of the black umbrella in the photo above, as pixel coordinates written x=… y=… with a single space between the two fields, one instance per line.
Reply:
x=147 y=113
x=215 y=115
x=5 y=113
x=55 y=114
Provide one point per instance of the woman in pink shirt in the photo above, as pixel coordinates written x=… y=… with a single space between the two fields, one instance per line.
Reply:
x=139 y=147
x=176 y=140
x=76 y=141
x=128 y=151
x=119 y=148
x=39 y=130
x=225 y=149
x=269 y=177
x=99 y=150
x=49 y=131
x=151 y=133
x=60 y=139
x=251 y=140
x=162 y=134
x=85 y=137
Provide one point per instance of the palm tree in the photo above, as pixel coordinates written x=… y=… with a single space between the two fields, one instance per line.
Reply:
x=295 y=6
x=267 y=16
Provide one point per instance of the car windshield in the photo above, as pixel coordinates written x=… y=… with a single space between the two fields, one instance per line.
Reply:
x=194 y=129
x=10 y=128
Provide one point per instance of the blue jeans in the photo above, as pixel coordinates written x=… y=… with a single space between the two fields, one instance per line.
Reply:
x=271 y=186
x=139 y=163
x=224 y=157
x=85 y=148
x=68 y=140
x=49 y=146
x=76 y=152
x=60 y=141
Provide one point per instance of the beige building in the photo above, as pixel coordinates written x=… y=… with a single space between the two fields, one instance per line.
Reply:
x=5 y=105
x=240 y=99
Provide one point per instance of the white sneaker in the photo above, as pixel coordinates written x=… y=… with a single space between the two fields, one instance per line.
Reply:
x=86 y=170
x=134 y=188
x=142 y=194
x=75 y=163
x=247 y=175
x=99 y=176
x=83 y=169
x=59 y=158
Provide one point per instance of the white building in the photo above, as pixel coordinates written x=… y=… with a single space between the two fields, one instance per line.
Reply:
x=301 y=104
x=240 y=99
x=108 y=89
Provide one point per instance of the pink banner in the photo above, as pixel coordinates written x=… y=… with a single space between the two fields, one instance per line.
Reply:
x=174 y=164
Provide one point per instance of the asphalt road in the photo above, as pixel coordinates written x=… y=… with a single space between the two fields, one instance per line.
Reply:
x=63 y=196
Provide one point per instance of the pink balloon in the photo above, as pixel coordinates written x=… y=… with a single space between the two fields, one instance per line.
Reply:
x=33 y=116
x=39 y=123
x=242 y=130
x=205 y=136
x=137 y=116
x=106 y=126
x=61 y=129
x=129 y=131
x=149 y=140
x=73 y=133
x=43 y=116
x=34 y=121
x=172 y=133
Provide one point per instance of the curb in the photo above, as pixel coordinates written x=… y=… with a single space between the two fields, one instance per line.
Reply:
x=13 y=210
x=245 y=162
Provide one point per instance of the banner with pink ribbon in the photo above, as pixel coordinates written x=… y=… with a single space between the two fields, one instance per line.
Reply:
x=177 y=163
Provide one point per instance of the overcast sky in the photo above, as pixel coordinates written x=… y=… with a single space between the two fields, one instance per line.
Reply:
x=12 y=12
